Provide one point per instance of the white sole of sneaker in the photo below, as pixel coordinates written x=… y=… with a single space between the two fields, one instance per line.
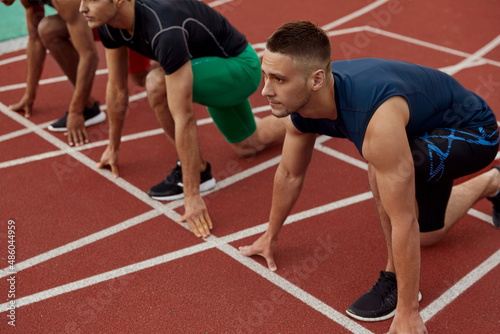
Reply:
x=205 y=186
x=51 y=128
x=101 y=117
x=357 y=317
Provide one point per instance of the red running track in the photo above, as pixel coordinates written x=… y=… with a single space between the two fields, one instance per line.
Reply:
x=96 y=255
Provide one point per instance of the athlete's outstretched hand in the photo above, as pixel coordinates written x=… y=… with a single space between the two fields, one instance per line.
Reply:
x=77 y=134
x=263 y=246
x=109 y=158
x=196 y=215
x=409 y=322
x=25 y=104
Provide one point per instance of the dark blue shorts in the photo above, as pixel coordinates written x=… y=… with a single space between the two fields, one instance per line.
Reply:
x=443 y=155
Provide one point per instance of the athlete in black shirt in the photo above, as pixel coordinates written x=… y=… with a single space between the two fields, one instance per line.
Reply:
x=203 y=59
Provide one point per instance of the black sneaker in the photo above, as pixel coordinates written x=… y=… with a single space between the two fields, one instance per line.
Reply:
x=495 y=215
x=379 y=303
x=92 y=116
x=172 y=188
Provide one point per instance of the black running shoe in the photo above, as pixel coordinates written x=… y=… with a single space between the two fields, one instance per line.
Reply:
x=92 y=116
x=379 y=303
x=172 y=188
x=495 y=215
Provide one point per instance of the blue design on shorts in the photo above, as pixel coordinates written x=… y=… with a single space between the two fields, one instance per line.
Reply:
x=437 y=167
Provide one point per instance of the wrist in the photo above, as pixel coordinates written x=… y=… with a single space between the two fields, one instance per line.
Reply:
x=269 y=236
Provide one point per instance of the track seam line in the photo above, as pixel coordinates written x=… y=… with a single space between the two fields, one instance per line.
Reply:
x=292 y=289
x=354 y=15
x=460 y=287
x=175 y=204
x=222 y=244
x=170 y=207
x=253 y=263
x=125 y=138
x=475 y=57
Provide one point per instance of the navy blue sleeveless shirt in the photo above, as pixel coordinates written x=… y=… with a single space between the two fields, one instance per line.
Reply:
x=435 y=99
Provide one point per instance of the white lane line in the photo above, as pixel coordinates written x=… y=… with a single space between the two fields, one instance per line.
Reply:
x=170 y=207
x=12 y=60
x=86 y=282
x=342 y=156
x=460 y=287
x=354 y=15
x=211 y=242
x=125 y=138
x=295 y=291
x=481 y=215
x=46 y=81
x=475 y=57
x=340 y=22
x=80 y=242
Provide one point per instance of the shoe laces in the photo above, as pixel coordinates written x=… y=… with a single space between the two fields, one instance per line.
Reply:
x=383 y=287
x=175 y=175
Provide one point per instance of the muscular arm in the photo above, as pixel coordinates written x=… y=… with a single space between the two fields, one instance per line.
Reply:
x=35 y=52
x=386 y=147
x=288 y=182
x=290 y=175
x=117 y=102
x=83 y=42
x=180 y=102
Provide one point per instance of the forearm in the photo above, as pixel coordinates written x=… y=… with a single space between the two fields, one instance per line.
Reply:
x=117 y=102
x=286 y=191
x=35 y=50
x=406 y=252
x=186 y=141
x=35 y=53
x=87 y=67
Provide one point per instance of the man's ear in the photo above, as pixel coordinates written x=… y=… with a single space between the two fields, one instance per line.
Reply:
x=119 y=3
x=318 y=79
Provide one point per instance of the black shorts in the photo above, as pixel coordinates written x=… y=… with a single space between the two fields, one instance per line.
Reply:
x=441 y=156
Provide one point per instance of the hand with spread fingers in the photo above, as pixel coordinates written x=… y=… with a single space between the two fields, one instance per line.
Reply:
x=26 y=104
x=77 y=134
x=109 y=158
x=196 y=215
x=263 y=246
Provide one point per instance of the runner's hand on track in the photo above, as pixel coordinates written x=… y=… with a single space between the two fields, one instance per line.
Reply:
x=109 y=158
x=25 y=104
x=77 y=134
x=264 y=246
x=196 y=215
x=409 y=322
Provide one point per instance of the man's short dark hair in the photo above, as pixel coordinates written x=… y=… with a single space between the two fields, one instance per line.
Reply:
x=303 y=41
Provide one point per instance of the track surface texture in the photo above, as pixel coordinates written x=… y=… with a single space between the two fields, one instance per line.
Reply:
x=95 y=254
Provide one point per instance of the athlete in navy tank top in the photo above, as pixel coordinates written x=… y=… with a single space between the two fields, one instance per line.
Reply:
x=417 y=128
x=435 y=99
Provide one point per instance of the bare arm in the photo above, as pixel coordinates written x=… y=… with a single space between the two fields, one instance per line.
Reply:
x=386 y=147
x=180 y=102
x=288 y=181
x=83 y=41
x=117 y=102
x=35 y=52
